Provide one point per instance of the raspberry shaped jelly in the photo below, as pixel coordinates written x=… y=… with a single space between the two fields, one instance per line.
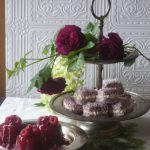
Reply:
x=29 y=139
x=51 y=132
x=9 y=131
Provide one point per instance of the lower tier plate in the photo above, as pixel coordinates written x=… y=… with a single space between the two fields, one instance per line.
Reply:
x=141 y=106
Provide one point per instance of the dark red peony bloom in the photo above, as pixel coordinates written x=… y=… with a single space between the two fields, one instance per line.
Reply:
x=53 y=86
x=112 y=47
x=70 y=38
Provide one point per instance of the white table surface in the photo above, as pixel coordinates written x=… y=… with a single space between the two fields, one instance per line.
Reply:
x=25 y=108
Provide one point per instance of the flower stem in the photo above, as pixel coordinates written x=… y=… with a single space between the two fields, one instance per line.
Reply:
x=142 y=54
x=39 y=60
x=54 y=63
x=139 y=52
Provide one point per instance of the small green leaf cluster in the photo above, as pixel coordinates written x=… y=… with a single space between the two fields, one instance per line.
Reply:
x=18 y=66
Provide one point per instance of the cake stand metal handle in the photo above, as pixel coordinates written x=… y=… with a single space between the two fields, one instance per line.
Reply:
x=102 y=16
x=101 y=19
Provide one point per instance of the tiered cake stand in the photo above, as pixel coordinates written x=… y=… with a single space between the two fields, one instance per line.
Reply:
x=106 y=126
x=102 y=126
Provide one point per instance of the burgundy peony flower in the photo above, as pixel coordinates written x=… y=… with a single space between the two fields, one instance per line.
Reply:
x=70 y=38
x=53 y=86
x=112 y=47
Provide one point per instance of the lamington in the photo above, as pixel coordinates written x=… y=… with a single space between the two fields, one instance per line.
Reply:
x=84 y=95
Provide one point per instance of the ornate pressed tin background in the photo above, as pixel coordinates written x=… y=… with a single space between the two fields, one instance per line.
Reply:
x=31 y=23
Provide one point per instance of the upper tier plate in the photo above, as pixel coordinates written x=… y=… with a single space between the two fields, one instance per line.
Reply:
x=141 y=106
x=133 y=54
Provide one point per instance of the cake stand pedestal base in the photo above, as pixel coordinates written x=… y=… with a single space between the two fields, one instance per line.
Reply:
x=100 y=130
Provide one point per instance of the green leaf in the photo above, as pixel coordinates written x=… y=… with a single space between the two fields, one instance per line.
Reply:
x=39 y=104
x=71 y=60
x=53 y=49
x=36 y=81
x=46 y=49
x=10 y=73
x=77 y=63
x=17 y=63
x=45 y=73
x=93 y=29
x=41 y=77
x=23 y=62
x=90 y=37
x=87 y=47
x=89 y=27
x=128 y=63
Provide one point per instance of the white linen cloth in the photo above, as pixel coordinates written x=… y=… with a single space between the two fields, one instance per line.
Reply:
x=25 y=108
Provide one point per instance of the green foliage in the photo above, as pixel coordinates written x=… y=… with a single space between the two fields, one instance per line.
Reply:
x=50 y=49
x=89 y=37
x=128 y=63
x=86 y=48
x=75 y=63
x=92 y=29
x=46 y=49
x=41 y=77
x=73 y=78
x=75 y=59
x=131 y=55
x=126 y=141
x=39 y=104
x=19 y=66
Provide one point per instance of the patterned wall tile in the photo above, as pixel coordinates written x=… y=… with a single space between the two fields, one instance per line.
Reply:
x=31 y=23
x=131 y=13
x=47 y=12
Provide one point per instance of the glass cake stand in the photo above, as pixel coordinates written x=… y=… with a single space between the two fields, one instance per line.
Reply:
x=102 y=127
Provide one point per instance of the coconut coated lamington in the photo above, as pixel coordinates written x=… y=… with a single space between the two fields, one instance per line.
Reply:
x=109 y=95
x=71 y=105
x=96 y=109
x=124 y=106
x=112 y=83
x=84 y=95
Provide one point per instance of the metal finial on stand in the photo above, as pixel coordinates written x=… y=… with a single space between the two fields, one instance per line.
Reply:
x=99 y=66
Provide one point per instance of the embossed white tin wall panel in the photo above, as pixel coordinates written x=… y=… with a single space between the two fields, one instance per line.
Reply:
x=31 y=23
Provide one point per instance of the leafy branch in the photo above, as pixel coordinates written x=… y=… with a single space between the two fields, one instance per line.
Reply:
x=19 y=66
x=22 y=64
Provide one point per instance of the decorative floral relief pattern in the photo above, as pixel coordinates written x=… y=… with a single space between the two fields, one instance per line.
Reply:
x=133 y=13
x=49 y=11
x=31 y=23
x=135 y=9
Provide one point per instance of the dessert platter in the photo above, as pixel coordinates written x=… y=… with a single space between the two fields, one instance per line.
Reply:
x=87 y=104
x=45 y=134
x=99 y=112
